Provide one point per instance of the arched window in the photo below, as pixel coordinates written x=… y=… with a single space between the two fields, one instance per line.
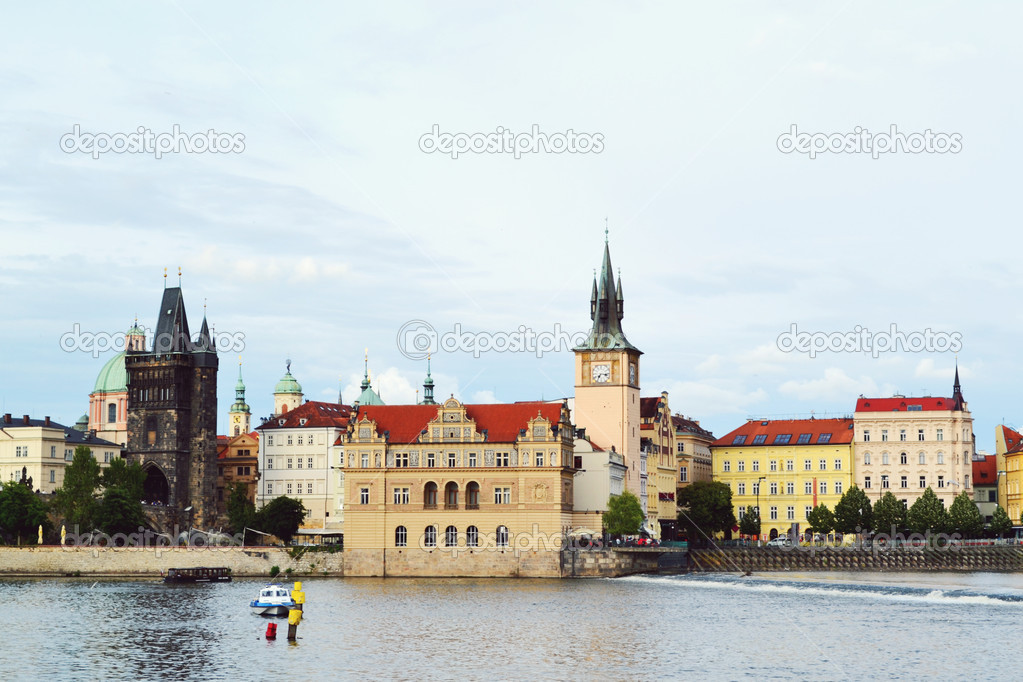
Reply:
x=502 y=536
x=111 y=412
x=472 y=536
x=430 y=496
x=400 y=537
x=472 y=495
x=903 y=458
x=430 y=536
x=451 y=495
x=451 y=537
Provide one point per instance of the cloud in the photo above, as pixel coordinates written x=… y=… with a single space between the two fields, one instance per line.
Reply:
x=835 y=385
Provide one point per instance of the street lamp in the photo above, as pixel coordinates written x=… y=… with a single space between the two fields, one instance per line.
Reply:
x=760 y=519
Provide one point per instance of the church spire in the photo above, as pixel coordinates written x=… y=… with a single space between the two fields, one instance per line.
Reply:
x=958 y=402
x=428 y=385
x=607 y=308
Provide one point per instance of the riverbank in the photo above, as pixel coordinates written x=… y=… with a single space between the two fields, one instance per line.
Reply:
x=987 y=559
x=152 y=561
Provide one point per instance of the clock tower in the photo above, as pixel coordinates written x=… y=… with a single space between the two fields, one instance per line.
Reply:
x=240 y=417
x=607 y=376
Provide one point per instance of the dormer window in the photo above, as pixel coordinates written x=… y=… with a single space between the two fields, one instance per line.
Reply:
x=302 y=421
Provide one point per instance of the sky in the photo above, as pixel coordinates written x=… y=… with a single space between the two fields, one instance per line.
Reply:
x=346 y=209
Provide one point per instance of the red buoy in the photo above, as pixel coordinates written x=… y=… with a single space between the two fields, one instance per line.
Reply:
x=271 y=630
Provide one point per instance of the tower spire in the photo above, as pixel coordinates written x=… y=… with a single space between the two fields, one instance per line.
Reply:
x=428 y=385
x=606 y=309
x=958 y=402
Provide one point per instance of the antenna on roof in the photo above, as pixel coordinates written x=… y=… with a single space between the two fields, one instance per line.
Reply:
x=179 y=276
x=165 y=278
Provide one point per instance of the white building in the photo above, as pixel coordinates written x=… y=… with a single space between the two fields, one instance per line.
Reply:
x=40 y=449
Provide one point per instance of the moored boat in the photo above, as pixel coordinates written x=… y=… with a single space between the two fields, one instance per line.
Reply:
x=274 y=600
x=201 y=574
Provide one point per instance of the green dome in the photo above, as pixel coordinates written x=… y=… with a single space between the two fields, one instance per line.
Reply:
x=288 y=384
x=112 y=378
x=136 y=331
x=83 y=423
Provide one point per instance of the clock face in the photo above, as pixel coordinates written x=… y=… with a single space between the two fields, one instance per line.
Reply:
x=237 y=419
x=601 y=373
x=632 y=373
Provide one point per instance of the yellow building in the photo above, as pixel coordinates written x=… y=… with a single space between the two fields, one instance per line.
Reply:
x=1009 y=463
x=457 y=490
x=794 y=465
x=658 y=440
x=692 y=448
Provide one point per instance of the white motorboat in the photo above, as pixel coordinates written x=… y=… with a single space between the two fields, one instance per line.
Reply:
x=274 y=600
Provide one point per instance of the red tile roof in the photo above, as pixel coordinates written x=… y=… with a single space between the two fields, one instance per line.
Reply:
x=648 y=407
x=316 y=414
x=840 y=430
x=689 y=426
x=927 y=404
x=985 y=471
x=1013 y=439
x=502 y=422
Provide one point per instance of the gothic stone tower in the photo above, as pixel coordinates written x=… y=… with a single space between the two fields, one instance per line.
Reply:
x=607 y=377
x=172 y=415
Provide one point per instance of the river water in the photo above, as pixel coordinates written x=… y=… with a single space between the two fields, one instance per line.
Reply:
x=783 y=626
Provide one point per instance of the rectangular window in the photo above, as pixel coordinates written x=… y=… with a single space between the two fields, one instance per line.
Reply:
x=806 y=465
x=808 y=487
x=884 y=481
x=739 y=440
x=539 y=459
x=866 y=482
x=756 y=488
x=726 y=466
x=966 y=481
x=919 y=434
x=774 y=465
x=806 y=511
x=300 y=440
x=824 y=438
x=742 y=465
x=741 y=489
x=289 y=462
x=838 y=465
x=790 y=513
x=884 y=435
x=289 y=488
x=240 y=470
x=788 y=465
x=472 y=460
x=308 y=488
x=269 y=462
x=502 y=495
x=299 y=462
x=270 y=488
x=431 y=460
x=683 y=474
x=941 y=458
x=756 y=465
x=902 y=434
x=884 y=458
x=270 y=439
x=363 y=495
x=941 y=481
x=53 y=453
x=838 y=487
x=823 y=487
x=923 y=481
x=782 y=439
x=365 y=460
x=804 y=438
x=922 y=459
x=401 y=460
x=904 y=482
x=401 y=495
x=289 y=439
x=309 y=463
x=760 y=439
x=502 y=459
x=53 y=476
x=451 y=459
x=940 y=435
x=774 y=513
x=823 y=465
x=866 y=435
x=790 y=488
x=774 y=488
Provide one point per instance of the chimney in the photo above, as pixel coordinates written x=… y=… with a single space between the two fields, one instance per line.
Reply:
x=92 y=433
x=7 y=418
x=25 y=420
x=46 y=420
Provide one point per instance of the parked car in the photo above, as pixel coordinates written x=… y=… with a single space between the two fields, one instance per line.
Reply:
x=780 y=542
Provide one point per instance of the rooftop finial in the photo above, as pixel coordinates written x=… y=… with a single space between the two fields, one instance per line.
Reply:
x=179 y=276
x=165 y=278
x=605 y=229
x=287 y=364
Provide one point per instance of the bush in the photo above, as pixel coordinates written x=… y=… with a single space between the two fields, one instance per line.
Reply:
x=274 y=570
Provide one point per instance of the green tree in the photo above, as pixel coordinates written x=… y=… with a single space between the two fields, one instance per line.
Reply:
x=120 y=511
x=853 y=513
x=122 y=474
x=821 y=520
x=750 y=522
x=21 y=511
x=76 y=501
x=889 y=513
x=964 y=517
x=624 y=514
x=281 y=517
x=705 y=508
x=927 y=514
x=1001 y=524
x=241 y=512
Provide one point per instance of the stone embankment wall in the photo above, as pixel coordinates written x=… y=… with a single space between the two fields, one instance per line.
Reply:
x=457 y=563
x=606 y=563
x=150 y=561
x=848 y=559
